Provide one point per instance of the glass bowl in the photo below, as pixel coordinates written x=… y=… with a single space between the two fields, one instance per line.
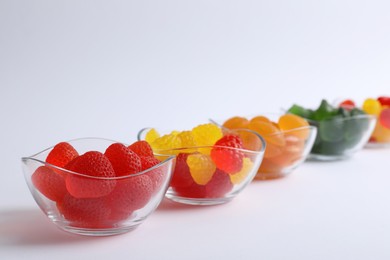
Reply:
x=380 y=136
x=208 y=175
x=285 y=151
x=339 y=138
x=123 y=204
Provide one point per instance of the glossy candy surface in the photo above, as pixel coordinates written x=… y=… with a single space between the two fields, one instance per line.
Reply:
x=206 y=159
x=285 y=138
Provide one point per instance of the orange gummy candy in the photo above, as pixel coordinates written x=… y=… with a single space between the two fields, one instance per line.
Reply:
x=293 y=122
x=236 y=122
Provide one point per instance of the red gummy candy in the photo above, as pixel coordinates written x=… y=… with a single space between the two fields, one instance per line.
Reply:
x=86 y=213
x=193 y=191
x=123 y=160
x=49 y=183
x=130 y=194
x=94 y=164
x=227 y=159
x=157 y=176
x=384 y=118
x=347 y=104
x=141 y=148
x=385 y=101
x=219 y=185
x=61 y=154
x=181 y=176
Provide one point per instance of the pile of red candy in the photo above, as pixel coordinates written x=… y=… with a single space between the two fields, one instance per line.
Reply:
x=99 y=190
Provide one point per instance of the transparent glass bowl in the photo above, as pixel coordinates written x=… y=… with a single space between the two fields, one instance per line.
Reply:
x=199 y=179
x=339 y=138
x=380 y=136
x=124 y=206
x=285 y=150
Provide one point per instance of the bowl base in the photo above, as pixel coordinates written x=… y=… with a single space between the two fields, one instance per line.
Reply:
x=377 y=145
x=322 y=157
x=198 y=201
x=98 y=232
x=263 y=176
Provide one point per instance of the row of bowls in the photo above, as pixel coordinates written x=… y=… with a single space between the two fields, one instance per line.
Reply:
x=97 y=218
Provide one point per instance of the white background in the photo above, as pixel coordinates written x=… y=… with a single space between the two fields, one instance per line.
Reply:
x=72 y=69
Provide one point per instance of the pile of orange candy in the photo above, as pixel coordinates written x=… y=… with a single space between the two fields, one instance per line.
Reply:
x=285 y=141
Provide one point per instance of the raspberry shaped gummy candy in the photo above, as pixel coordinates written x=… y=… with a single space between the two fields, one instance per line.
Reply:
x=49 y=183
x=61 y=154
x=181 y=176
x=85 y=184
x=141 y=148
x=123 y=160
x=226 y=154
x=219 y=185
x=201 y=168
x=243 y=173
x=167 y=142
x=206 y=134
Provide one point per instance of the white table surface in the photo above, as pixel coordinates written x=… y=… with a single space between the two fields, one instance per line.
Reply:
x=109 y=68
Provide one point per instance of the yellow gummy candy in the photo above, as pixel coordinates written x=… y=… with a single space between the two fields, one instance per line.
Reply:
x=187 y=139
x=151 y=136
x=167 y=143
x=201 y=168
x=372 y=106
x=207 y=134
x=245 y=170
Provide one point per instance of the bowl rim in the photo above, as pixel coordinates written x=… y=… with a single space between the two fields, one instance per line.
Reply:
x=262 y=149
x=311 y=128
x=341 y=119
x=365 y=115
x=32 y=158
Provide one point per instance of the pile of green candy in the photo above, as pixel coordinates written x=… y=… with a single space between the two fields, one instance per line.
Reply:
x=339 y=129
